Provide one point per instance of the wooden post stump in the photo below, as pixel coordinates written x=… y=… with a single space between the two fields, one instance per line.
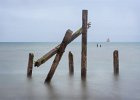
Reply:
x=71 y=66
x=84 y=44
x=116 y=62
x=30 y=65
x=58 y=56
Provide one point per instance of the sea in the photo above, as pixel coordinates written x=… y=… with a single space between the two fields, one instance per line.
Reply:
x=101 y=83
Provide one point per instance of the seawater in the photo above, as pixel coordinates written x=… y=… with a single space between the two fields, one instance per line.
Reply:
x=101 y=83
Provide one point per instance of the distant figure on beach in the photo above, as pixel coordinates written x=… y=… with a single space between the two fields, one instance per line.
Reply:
x=97 y=45
x=100 y=45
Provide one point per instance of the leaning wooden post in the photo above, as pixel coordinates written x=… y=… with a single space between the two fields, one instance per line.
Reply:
x=30 y=65
x=71 y=66
x=58 y=56
x=116 y=61
x=84 y=45
x=52 y=52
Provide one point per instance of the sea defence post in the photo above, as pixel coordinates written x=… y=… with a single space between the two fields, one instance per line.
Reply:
x=116 y=62
x=84 y=45
x=59 y=50
x=71 y=64
x=30 y=65
x=58 y=56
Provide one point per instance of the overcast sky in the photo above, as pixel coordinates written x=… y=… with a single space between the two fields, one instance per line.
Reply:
x=48 y=20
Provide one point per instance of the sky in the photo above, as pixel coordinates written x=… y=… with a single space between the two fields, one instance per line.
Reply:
x=48 y=20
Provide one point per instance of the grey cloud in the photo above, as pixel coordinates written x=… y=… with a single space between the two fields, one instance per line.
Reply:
x=47 y=20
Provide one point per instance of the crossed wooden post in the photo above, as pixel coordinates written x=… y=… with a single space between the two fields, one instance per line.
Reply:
x=59 y=50
x=58 y=56
x=52 y=52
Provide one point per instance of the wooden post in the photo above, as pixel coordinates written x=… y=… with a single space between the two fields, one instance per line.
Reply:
x=71 y=66
x=30 y=65
x=116 y=62
x=58 y=56
x=52 y=52
x=84 y=45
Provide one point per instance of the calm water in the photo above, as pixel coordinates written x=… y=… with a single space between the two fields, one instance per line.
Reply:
x=101 y=83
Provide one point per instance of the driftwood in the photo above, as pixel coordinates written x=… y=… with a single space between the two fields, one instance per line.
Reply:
x=30 y=65
x=84 y=45
x=52 y=52
x=58 y=56
x=71 y=66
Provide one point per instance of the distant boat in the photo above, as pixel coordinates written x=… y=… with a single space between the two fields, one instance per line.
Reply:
x=108 y=40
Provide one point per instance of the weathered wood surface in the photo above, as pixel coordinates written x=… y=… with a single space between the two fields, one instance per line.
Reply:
x=116 y=62
x=84 y=44
x=30 y=65
x=58 y=56
x=52 y=52
x=71 y=64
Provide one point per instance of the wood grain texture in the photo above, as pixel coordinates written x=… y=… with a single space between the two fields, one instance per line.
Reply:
x=116 y=61
x=30 y=65
x=58 y=56
x=84 y=45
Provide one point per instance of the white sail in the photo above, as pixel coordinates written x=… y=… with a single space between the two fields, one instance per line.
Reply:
x=108 y=40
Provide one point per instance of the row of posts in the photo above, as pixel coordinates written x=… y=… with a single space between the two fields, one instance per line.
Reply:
x=61 y=50
x=71 y=64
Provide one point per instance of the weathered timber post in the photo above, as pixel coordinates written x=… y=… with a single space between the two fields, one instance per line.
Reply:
x=84 y=45
x=116 y=61
x=71 y=66
x=30 y=65
x=58 y=56
x=52 y=52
